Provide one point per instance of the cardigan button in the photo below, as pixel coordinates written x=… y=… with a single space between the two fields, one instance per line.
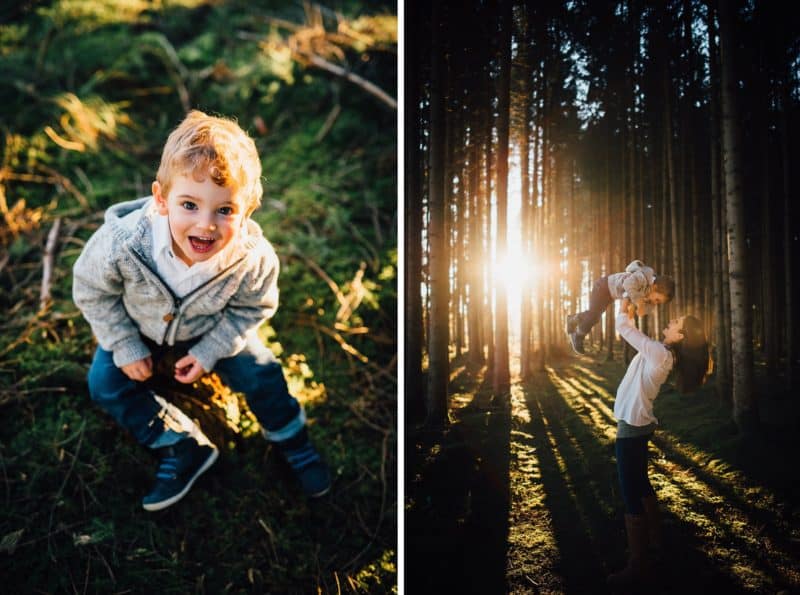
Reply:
x=168 y=317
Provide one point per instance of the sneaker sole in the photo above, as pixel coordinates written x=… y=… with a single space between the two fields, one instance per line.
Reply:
x=212 y=458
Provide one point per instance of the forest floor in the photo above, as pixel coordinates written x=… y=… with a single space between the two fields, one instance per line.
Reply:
x=522 y=497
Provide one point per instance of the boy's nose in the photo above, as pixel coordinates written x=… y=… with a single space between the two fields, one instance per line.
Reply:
x=208 y=223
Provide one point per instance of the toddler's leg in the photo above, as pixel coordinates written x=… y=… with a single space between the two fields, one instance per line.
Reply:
x=256 y=373
x=151 y=420
x=599 y=299
x=184 y=450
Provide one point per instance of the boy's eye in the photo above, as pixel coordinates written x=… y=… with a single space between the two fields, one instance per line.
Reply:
x=188 y=205
x=225 y=211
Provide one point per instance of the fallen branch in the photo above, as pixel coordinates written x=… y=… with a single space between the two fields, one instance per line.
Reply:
x=48 y=260
x=340 y=297
x=347 y=75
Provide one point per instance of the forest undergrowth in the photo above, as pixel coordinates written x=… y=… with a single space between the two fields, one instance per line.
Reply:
x=91 y=91
x=522 y=496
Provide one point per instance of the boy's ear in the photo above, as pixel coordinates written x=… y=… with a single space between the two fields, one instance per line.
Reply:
x=161 y=200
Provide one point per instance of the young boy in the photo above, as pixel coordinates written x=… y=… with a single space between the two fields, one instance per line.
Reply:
x=188 y=268
x=638 y=282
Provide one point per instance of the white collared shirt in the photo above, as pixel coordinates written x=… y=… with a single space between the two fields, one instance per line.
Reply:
x=181 y=278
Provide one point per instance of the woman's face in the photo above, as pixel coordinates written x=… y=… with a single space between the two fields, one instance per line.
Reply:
x=672 y=334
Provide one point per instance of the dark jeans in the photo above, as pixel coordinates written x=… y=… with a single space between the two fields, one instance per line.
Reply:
x=254 y=372
x=599 y=300
x=632 y=470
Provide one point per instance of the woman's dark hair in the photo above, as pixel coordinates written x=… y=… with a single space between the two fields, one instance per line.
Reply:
x=691 y=356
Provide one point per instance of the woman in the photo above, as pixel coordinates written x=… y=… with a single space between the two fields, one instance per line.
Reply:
x=684 y=350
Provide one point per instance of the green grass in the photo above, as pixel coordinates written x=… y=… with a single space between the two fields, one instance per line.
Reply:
x=91 y=91
x=523 y=495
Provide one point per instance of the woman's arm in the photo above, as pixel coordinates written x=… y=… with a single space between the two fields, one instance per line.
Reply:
x=649 y=348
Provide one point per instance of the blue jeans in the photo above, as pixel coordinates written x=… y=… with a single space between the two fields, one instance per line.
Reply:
x=254 y=372
x=599 y=299
x=632 y=470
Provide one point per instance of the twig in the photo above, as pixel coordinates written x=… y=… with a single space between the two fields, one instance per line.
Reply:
x=106 y=564
x=7 y=397
x=340 y=297
x=47 y=265
x=373 y=539
x=61 y=490
x=66 y=183
x=329 y=121
x=270 y=538
x=369 y=87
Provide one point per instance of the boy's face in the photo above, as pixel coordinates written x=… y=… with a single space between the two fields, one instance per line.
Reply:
x=657 y=298
x=203 y=217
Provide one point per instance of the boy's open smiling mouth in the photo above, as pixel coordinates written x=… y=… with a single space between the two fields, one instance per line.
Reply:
x=201 y=244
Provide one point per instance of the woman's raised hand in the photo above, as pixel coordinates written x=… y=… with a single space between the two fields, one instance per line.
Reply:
x=627 y=307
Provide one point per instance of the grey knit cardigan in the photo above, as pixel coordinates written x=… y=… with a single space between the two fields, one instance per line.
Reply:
x=116 y=287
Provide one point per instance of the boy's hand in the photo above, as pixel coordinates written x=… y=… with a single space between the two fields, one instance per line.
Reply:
x=139 y=370
x=188 y=369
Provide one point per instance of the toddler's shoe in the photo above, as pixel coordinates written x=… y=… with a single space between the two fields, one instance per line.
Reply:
x=572 y=323
x=181 y=464
x=576 y=342
x=308 y=466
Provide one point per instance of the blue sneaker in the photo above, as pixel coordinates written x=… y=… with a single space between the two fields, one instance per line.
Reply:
x=576 y=342
x=308 y=466
x=181 y=464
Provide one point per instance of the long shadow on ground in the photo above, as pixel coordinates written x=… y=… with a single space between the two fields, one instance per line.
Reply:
x=522 y=497
x=456 y=516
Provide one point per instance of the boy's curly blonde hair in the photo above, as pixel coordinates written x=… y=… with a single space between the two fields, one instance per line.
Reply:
x=204 y=145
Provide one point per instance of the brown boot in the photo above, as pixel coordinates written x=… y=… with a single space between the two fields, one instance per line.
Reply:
x=637 y=569
x=653 y=516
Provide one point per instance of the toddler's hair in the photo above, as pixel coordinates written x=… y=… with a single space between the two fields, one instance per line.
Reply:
x=692 y=358
x=204 y=145
x=664 y=284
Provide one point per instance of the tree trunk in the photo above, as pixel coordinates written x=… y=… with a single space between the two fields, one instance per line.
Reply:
x=722 y=370
x=788 y=253
x=438 y=339
x=475 y=251
x=744 y=413
x=525 y=214
x=414 y=391
x=501 y=379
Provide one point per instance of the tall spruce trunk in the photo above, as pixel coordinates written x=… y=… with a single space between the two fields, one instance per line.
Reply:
x=414 y=391
x=525 y=231
x=719 y=247
x=439 y=281
x=674 y=215
x=501 y=379
x=744 y=413
x=788 y=254
x=475 y=250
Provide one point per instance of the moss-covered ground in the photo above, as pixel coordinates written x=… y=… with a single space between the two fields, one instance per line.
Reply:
x=522 y=497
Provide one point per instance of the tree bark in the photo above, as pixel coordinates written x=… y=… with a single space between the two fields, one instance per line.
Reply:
x=414 y=391
x=438 y=339
x=744 y=413
x=721 y=368
x=501 y=379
